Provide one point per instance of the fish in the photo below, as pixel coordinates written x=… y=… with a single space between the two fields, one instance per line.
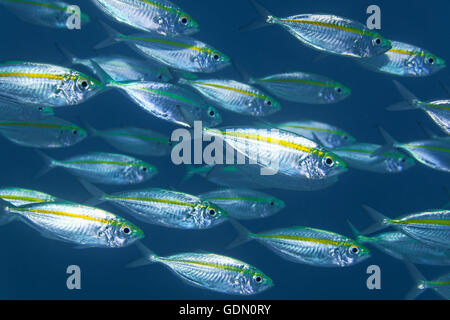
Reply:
x=433 y=153
x=405 y=60
x=53 y=14
x=161 y=16
x=359 y=156
x=167 y=208
x=431 y=227
x=440 y=285
x=21 y=197
x=302 y=87
x=45 y=84
x=103 y=168
x=166 y=101
x=327 y=135
x=307 y=245
x=75 y=223
x=437 y=110
x=399 y=245
x=243 y=203
x=235 y=96
x=122 y=68
x=210 y=271
x=327 y=33
x=132 y=140
x=10 y=110
x=281 y=151
x=177 y=52
x=48 y=133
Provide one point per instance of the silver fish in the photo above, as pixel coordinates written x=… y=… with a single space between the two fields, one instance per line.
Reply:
x=47 y=133
x=45 y=84
x=10 y=110
x=211 y=271
x=54 y=14
x=302 y=87
x=160 y=16
x=177 y=52
x=21 y=197
x=75 y=223
x=235 y=96
x=104 y=168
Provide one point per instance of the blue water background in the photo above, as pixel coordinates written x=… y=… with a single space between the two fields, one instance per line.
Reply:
x=34 y=267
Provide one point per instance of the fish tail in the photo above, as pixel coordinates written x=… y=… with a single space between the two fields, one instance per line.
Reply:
x=49 y=164
x=148 y=257
x=266 y=17
x=243 y=235
x=113 y=36
x=67 y=54
x=410 y=102
x=97 y=194
x=89 y=129
x=356 y=233
x=245 y=76
x=389 y=146
x=5 y=216
x=184 y=81
x=419 y=280
x=381 y=221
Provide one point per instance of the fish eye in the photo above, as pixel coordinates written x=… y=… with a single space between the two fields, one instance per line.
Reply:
x=211 y=112
x=272 y=203
x=84 y=84
x=144 y=169
x=40 y=109
x=212 y=212
x=354 y=249
x=75 y=131
x=402 y=160
x=268 y=102
x=126 y=230
x=345 y=137
x=329 y=162
x=338 y=89
x=376 y=41
x=216 y=57
x=430 y=60
x=258 y=279
x=184 y=20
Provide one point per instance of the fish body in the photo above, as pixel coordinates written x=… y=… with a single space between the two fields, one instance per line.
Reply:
x=235 y=96
x=131 y=140
x=282 y=151
x=243 y=203
x=106 y=168
x=170 y=102
x=47 y=133
x=360 y=156
x=405 y=60
x=301 y=87
x=399 y=245
x=45 y=84
x=327 y=135
x=168 y=208
x=160 y=16
x=78 y=224
x=313 y=246
x=21 y=197
x=216 y=272
x=12 y=111
x=54 y=14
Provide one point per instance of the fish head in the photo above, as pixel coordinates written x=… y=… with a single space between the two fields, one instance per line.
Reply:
x=211 y=60
x=430 y=63
x=125 y=233
x=321 y=164
x=209 y=215
x=376 y=45
x=339 y=139
x=265 y=105
x=334 y=92
x=211 y=116
x=44 y=112
x=139 y=171
x=71 y=135
x=271 y=206
x=254 y=281
x=399 y=162
x=77 y=87
x=352 y=253
x=184 y=24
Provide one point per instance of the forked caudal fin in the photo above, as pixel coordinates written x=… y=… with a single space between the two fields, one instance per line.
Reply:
x=72 y=59
x=5 y=217
x=266 y=17
x=243 y=235
x=419 y=280
x=113 y=36
x=381 y=221
x=97 y=194
x=148 y=256
x=410 y=103
x=388 y=147
x=49 y=164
